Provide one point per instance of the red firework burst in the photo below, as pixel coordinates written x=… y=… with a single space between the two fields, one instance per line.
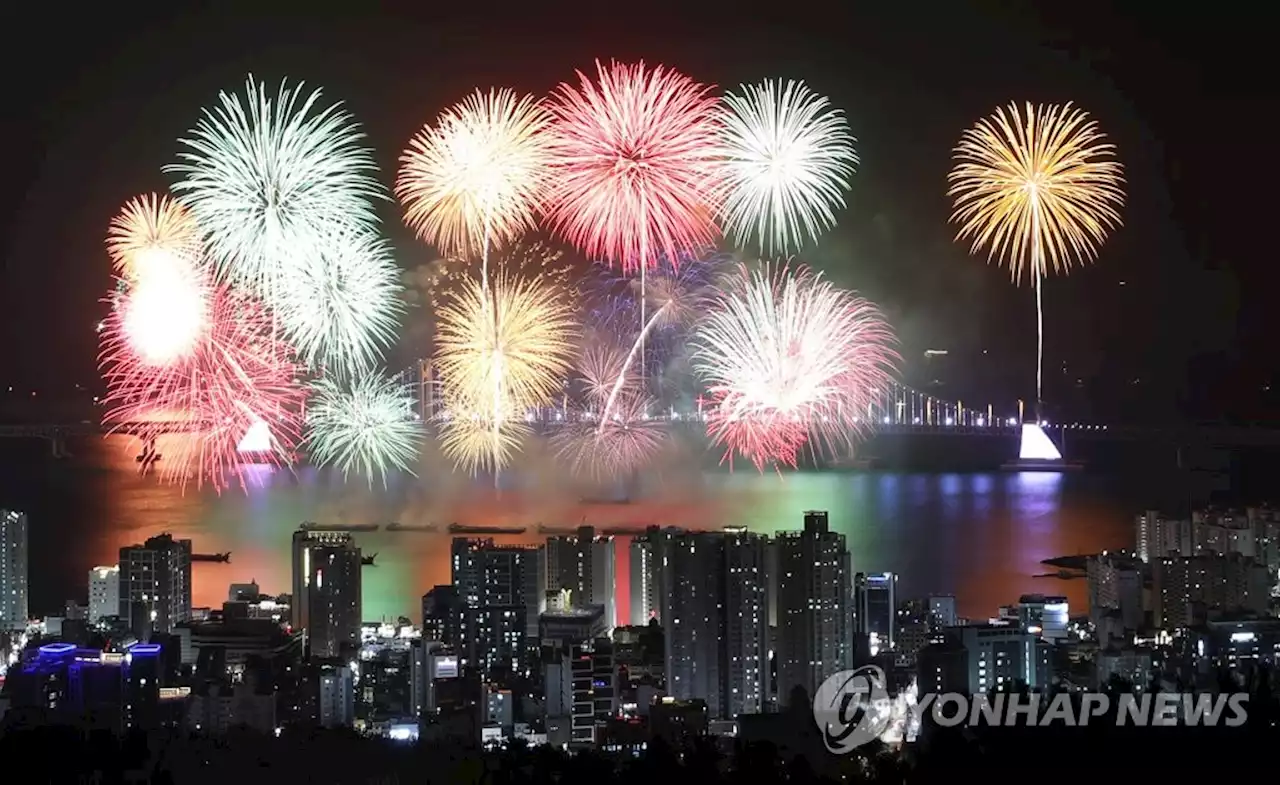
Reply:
x=238 y=379
x=635 y=167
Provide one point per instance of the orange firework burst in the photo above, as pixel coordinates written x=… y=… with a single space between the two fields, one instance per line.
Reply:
x=151 y=228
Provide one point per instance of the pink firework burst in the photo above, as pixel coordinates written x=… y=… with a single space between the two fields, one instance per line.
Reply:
x=624 y=443
x=238 y=380
x=790 y=361
x=636 y=172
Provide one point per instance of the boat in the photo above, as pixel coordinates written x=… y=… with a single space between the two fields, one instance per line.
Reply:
x=556 y=531
x=412 y=527
x=312 y=526
x=220 y=558
x=1040 y=465
x=459 y=528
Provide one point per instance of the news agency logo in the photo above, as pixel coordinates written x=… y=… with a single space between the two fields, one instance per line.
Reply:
x=852 y=708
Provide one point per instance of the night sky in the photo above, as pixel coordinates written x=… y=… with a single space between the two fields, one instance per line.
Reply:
x=1175 y=319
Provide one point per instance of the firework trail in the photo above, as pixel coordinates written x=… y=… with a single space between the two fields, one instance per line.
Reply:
x=341 y=310
x=151 y=230
x=366 y=425
x=789 y=361
x=501 y=351
x=788 y=158
x=677 y=298
x=232 y=382
x=477 y=179
x=270 y=179
x=1039 y=189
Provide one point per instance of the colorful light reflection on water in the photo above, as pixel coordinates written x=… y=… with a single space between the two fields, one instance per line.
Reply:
x=980 y=536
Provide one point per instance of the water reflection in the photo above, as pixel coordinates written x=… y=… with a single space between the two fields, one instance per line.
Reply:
x=978 y=536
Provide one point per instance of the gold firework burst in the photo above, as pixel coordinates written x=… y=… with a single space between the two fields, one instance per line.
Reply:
x=501 y=351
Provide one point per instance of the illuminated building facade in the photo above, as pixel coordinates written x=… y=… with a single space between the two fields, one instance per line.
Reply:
x=155 y=585
x=13 y=569
x=327 y=591
x=716 y=621
x=814 y=635
x=104 y=593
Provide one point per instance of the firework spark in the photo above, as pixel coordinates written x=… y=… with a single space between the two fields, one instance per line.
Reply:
x=151 y=229
x=233 y=381
x=788 y=158
x=789 y=361
x=624 y=443
x=341 y=309
x=366 y=426
x=474 y=444
x=477 y=178
x=1039 y=189
x=269 y=179
x=635 y=165
x=502 y=350
x=164 y=314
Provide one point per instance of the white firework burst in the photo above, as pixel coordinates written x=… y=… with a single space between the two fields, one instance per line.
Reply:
x=788 y=158
x=366 y=425
x=341 y=308
x=268 y=179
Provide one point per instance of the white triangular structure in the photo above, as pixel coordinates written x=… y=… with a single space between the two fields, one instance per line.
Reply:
x=1036 y=445
x=257 y=439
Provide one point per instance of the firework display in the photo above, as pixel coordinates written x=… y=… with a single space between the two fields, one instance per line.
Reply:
x=341 y=310
x=502 y=350
x=477 y=178
x=269 y=179
x=366 y=425
x=201 y=406
x=623 y=443
x=151 y=229
x=790 y=361
x=788 y=157
x=635 y=163
x=257 y=305
x=1037 y=188
x=165 y=312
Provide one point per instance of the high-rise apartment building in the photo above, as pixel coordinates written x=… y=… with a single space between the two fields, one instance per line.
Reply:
x=327 y=591
x=875 y=598
x=13 y=569
x=584 y=564
x=443 y=616
x=647 y=556
x=715 y=618
x=814 y=637
x=1185 y=589
x=104 y=593
x=1115 y=585
x=504 y=579
x=1157 y=536
x=155 y=584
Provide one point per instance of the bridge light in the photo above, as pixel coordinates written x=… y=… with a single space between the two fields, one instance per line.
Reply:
x=981 y=422
x=915 y=421
x=950 y=421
